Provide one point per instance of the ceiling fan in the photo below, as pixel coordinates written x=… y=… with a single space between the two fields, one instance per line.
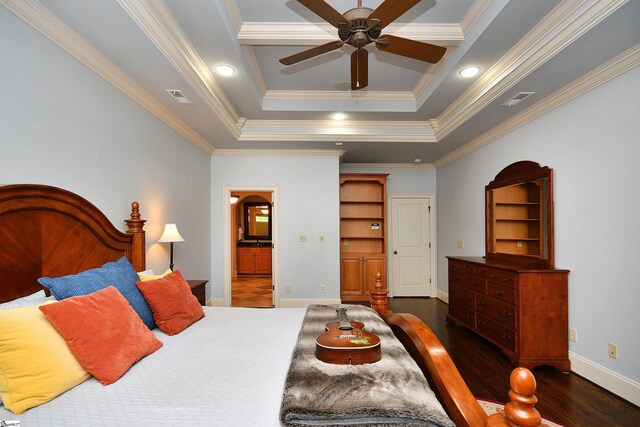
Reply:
x=360 y=26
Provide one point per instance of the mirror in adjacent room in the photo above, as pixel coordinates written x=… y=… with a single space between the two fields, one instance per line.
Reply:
x=257 y=220
x=519 y=215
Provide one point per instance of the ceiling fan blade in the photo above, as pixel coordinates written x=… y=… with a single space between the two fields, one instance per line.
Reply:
x=390 y=10
x=326 y=12
x=310 y=53
x=359 y=69
x=411 y=48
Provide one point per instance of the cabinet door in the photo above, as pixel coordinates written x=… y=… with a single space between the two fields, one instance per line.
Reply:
x=351 y=276
x=372 y=266
x=246 y=261
x=263 y=261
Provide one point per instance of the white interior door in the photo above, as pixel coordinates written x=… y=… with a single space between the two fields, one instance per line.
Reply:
x=411 y=246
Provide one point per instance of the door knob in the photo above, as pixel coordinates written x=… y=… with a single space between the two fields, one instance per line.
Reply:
x=395 y=252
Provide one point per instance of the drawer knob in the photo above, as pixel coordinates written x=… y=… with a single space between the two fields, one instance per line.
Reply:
x=481 y=303
x=506 y=337
x=506 y=279
x=492 y=276
x=506 y=313
x=499 y=293
x=468 y=316
x=481 y=323
x=467 y=298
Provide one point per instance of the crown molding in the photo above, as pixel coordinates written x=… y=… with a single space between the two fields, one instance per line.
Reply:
x=607 y=71
x=387 y=166
x=41 y=19
x=309 y=34
x=336 y=131
x=234 y=14
x=255 y=70
x=473 y=14
x=160 y=26
x=568 y=21
x=311 y=100
x=276 y=153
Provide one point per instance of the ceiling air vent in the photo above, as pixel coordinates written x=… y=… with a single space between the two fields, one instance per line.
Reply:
x=179 y=96
x=517 y=98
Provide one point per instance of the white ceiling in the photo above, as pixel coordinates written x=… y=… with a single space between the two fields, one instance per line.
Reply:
x=410 y=110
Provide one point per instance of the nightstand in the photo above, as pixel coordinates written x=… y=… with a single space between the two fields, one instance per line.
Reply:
x=198 y=290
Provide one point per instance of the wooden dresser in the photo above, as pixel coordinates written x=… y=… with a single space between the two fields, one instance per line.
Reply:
x=514 y=296
x=523 y=311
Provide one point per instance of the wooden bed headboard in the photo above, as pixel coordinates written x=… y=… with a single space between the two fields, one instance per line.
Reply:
x=48 y=231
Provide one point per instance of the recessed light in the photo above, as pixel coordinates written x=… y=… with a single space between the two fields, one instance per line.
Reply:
x=339 y=144
x=469 y=71
x=338 y=116
x=417 y=161
x=225 y=70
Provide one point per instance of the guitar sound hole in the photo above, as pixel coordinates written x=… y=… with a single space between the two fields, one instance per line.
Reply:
x=346 y=328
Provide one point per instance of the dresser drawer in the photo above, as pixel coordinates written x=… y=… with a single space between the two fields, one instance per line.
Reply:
x=498 y=310
x=502 y=293
x=456 y=267
x=477 y=284
x=500 y=334
x=457 y=278
x=503 y=278
x=462 y=295
x=462 y=313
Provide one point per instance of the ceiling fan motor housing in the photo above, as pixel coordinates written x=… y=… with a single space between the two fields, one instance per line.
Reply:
x=361 y=32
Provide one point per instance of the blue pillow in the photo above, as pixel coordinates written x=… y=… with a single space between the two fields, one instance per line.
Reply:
x=120 y=274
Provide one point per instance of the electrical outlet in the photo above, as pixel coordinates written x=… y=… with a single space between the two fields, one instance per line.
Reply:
x=613 y=351
x=302 y=238
x=573 y=334
x=288 y=289
x=460 y=244
x=323 y=288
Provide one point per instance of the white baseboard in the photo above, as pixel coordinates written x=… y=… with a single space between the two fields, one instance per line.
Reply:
x=606 y=378
x=304 y=302
x=443 y=296
x=215 y=302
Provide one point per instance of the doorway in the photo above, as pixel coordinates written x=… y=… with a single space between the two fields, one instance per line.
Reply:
x=250 y=234
x=412 y=246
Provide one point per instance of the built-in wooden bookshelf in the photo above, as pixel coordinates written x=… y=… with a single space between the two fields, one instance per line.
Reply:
x=362 y=234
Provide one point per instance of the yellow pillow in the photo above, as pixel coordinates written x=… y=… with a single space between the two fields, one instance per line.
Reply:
x=144 y=278
x=35 y=363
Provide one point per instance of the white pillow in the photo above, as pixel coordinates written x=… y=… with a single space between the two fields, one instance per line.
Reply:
x=37 y=298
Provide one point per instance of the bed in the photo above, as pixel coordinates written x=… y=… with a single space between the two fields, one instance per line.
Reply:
x=218 y=371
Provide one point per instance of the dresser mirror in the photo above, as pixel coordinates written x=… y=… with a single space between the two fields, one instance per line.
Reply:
x=519 y=215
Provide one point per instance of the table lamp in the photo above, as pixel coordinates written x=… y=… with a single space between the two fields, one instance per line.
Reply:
x=171 y=235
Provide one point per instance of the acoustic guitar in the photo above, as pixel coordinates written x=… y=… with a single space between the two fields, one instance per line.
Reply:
x=347 y=343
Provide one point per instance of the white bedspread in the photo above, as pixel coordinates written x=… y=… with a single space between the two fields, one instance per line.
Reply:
x=227 y=369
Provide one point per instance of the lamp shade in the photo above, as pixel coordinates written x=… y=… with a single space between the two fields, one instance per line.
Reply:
x=171 y=234
x=233 y=199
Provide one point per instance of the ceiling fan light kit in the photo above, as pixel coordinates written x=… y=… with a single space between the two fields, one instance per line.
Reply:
x=361 y=26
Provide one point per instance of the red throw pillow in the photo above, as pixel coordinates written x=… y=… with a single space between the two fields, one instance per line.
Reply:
x=103 y=332
x=173 y=305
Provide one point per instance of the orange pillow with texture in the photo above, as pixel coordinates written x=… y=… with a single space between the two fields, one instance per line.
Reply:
x=173 y=305
x=103 y=332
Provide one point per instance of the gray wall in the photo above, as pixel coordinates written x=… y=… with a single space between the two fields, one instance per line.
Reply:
x=592 y=145
x=308 y=203
x=62 y=125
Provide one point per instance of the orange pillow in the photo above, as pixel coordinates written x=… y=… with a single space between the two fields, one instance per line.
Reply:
x=103 y=332
x=173 y=305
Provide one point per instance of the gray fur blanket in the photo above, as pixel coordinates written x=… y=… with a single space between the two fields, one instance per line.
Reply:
x=391 y=392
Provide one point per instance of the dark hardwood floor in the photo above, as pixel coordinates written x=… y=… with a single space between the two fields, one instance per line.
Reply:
x=565 y=398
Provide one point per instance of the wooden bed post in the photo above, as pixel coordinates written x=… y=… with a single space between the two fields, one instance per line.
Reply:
x=379 y=296
x=135 y=224
x=519 y=411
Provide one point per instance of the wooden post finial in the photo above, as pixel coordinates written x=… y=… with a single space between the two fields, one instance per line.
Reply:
x=379 y=296
x=519 y=411
x=136 y=228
